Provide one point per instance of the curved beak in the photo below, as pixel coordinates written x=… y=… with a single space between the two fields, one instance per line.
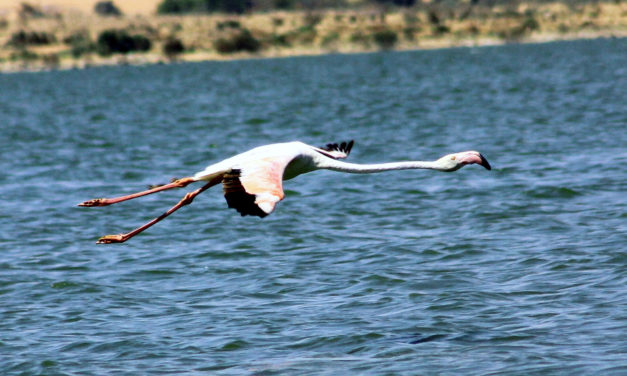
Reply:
x=484 y=162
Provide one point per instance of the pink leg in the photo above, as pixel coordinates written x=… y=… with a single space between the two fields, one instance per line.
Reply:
x=120 y=238
x=179 y=183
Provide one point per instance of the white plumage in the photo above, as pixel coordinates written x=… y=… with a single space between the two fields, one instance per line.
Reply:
x=253 y=180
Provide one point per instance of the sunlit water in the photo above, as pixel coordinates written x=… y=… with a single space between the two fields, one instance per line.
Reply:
x=519 y=270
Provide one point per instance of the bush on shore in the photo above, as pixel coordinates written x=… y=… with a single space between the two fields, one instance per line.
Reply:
x=23 y=55
x=173 y=47
x=385 y=39
x=36 y=38
x=107 y=8
x=80 y=43
x=204 y=6
x=242 y=41
x=528 y=25
x=119 y=41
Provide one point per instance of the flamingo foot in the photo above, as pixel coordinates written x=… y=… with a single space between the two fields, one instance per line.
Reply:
x=108 y=239
x=95 y=202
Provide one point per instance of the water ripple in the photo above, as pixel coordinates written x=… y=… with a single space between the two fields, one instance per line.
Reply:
x=520 y=270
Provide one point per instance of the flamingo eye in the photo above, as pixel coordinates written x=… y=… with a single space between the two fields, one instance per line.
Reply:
x=453 y=158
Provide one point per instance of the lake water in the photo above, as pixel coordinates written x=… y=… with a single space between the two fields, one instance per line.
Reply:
x=521 y=270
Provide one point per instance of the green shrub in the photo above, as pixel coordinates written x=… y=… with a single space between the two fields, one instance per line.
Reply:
x=304 y=34
x=24 y=38
x=107 y=8
x=411 y=18
x=518 y=32
x=80 y=43
x=473 y=29
x=238 y=42
x=119 y=41
x=400 y=3
x=82 y=49
x=359 y=37
x=173 y=47
x=141 y=43
x=330 y=39
x=284 y=4
x=229 y=6
x=51 y=60
x=192 y=6
x=312 y=19
x=27 y=10
x=385 y=39
x=228 y=24
x=404 y=3
x=410 y=32
x=280 y=40
x=76 y=37
x=23 y=55
x=440 y=29
x=530 y=24
x=433 y=17
x=181 y=6
x=589 y=25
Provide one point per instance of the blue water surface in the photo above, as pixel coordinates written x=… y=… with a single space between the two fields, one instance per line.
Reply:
x=516 y=271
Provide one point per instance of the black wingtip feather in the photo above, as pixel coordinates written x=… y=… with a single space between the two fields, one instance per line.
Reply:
x=349 y=146
x=484 y=162
x=344 y=147
x=237 y=197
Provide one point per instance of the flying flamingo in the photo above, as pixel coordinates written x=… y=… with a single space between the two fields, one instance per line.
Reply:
x=253 y=181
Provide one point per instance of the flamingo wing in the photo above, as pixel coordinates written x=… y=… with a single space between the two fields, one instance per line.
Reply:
x=254 y=188
x=337 y=151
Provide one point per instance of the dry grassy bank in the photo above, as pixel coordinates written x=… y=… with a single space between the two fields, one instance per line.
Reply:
x=70 y=37
x=131 y=7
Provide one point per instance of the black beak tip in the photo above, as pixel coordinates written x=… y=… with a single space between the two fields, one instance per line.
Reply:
x=485 y=163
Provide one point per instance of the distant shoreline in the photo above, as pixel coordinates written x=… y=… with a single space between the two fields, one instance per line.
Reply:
x=155 y=59
x=75 y=40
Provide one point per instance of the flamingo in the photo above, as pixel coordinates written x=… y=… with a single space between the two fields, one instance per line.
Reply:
x=253 y=180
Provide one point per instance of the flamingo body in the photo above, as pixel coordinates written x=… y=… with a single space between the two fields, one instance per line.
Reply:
x=253 y=181
x=260 y=172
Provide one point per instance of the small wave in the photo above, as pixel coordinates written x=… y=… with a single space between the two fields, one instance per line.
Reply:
x=552 y=192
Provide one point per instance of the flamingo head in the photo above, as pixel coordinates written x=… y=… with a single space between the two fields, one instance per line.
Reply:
x=453 y=162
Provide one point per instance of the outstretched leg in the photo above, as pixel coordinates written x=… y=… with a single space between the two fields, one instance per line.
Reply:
x=120 y=238
x=178 y=183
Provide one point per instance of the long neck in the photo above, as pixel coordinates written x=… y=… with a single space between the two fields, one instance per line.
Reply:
x=335 y=165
